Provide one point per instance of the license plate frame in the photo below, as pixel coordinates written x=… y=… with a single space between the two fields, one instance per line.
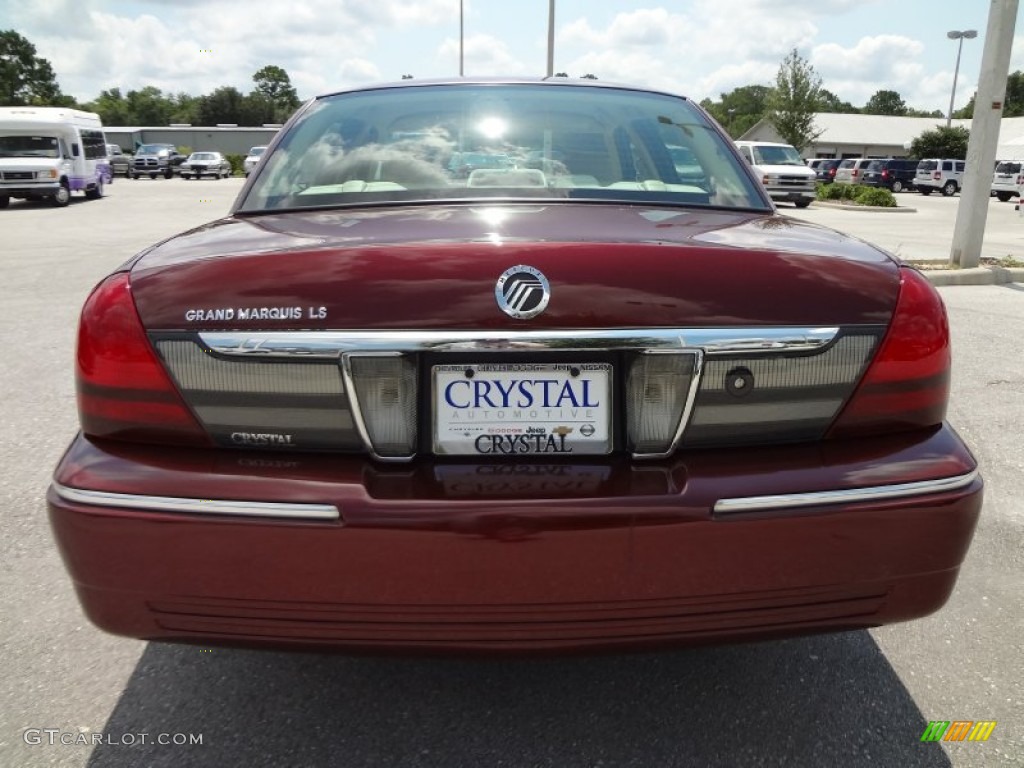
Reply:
x=571 y=415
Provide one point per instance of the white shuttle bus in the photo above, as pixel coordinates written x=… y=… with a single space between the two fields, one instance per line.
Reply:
x=50 y=152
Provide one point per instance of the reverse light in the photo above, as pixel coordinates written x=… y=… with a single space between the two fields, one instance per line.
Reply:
x=658 y=391
x=122 y=389
x=382 y=395
x=906 y=386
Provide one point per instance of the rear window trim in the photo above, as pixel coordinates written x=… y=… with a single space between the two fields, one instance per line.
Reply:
x=503 y=200
x=743 y=169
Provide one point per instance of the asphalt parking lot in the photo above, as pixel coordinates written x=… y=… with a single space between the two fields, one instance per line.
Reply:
x=922 y=229
x=853 y=699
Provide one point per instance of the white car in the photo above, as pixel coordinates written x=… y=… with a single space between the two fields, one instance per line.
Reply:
x=1007 y=179
x=252 y=159
x=201 y=164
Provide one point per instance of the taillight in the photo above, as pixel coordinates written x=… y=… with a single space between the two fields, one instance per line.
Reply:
x=936 y=175
x=832 y=172
x=123 y=391
x=885 y=174
x=907 y=384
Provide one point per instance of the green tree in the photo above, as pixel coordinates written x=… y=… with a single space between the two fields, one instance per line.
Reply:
x=885 y=103
x=186 y=108
x=794 y=101
x=224 y=105
x=274 y=85
x=941 y=142
x=26 y=78
x=829 y=102
x=257 y=109
x=112 y=108
x=149 y=106
x=1013 y=104
x=740 y=109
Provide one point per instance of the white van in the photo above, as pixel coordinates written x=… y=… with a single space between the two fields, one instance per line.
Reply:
x=50 y=152
x=782 y=171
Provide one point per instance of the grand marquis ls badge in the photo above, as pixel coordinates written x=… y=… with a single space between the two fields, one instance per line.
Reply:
x=522 y=292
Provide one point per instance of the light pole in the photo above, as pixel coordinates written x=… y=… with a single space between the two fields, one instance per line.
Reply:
x=551 y=37
x=955 y=34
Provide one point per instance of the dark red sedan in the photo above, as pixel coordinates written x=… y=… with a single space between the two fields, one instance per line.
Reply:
x=568 y=400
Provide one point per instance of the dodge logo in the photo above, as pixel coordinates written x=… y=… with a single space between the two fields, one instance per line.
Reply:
x=522 y=292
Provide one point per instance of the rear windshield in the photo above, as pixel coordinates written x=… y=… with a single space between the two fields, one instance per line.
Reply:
x=469 y=141
x=1008 y=168
x=851 y=163
x=927 y=165
x=876 y=165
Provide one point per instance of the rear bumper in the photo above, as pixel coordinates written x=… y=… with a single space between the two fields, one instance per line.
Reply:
x=525 y=557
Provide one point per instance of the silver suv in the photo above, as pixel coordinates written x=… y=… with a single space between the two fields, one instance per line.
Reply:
x=851 y=170
x=944 y=175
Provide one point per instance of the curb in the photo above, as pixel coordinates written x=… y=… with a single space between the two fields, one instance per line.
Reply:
x=862 y=208
x=974 y=276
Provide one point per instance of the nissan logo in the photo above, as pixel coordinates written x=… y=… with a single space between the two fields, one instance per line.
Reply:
x=522 y=292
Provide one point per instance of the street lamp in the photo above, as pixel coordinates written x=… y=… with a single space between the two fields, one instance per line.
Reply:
x=551 y=37
x=954 y=34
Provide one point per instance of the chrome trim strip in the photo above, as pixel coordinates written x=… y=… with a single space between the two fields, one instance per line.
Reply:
x=357 y=411
x=332 y=344
x=691 y=397
x=177 y=504
x=750 y=504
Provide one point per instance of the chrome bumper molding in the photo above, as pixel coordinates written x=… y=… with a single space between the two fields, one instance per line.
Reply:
x=750 y=504
x=177 y=504
x=332 y=344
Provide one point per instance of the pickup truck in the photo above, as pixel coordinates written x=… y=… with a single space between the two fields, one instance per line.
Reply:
x=120 y=163
x=157 y=160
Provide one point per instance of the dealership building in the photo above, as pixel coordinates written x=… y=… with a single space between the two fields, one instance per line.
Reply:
x=228 y=139
x=883 y=135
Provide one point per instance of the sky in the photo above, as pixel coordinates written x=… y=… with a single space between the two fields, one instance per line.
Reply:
x=699 y=48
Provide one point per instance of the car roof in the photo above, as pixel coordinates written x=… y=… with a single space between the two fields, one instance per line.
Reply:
x=544 y=81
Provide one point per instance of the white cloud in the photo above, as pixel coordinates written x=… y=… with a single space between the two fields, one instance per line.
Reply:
x=645 y=27
x=699 y=48
x=198 y=46
x=482 y=55
x=890 y=62
x=713 y=46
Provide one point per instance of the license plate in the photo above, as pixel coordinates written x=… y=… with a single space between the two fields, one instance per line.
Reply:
x=522 y=409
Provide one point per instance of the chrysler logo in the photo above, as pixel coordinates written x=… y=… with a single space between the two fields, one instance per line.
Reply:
x=522 y=292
